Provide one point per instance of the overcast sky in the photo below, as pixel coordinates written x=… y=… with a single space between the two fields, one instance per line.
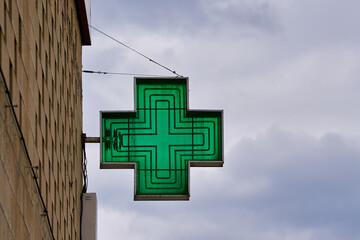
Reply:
x=287 y=75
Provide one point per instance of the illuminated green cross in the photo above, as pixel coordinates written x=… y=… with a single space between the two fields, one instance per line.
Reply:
x=161 y=139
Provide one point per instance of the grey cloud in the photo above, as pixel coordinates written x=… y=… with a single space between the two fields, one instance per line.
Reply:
x=309 y=181
x=189 y=17
x=318 y=24
x=157 y=15
x=278 y=185
x=242 y=14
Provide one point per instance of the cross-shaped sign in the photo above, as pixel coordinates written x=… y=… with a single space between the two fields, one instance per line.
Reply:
x=161 y=139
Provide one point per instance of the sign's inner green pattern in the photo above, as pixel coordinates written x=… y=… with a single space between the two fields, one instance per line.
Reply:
x=161 y=137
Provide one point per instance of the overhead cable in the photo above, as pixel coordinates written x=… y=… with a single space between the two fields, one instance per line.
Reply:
x=134 y=50
x=30 y=166
x=120 y=73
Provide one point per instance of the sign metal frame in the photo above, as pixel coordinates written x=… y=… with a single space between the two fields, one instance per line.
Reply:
x=191 y=163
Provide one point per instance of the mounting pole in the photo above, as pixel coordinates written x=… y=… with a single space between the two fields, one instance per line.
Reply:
x=90 y=139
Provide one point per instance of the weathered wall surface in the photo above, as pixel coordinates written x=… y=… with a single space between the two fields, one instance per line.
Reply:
x=40 y=48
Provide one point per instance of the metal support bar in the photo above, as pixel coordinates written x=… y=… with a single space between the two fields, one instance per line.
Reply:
x=90 y=139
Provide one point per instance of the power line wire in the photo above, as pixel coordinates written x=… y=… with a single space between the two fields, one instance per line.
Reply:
x=31 y=166
x=134 y=50
x=121 y=73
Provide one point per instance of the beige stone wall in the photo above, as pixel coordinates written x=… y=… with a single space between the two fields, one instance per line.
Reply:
x=40 y=48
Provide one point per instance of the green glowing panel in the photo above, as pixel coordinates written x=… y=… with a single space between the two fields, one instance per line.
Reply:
x=161 y=139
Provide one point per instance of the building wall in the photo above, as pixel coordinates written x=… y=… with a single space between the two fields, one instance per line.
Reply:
x=40 y=47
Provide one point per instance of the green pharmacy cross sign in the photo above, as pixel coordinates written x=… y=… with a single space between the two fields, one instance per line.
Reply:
x=161 y=139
